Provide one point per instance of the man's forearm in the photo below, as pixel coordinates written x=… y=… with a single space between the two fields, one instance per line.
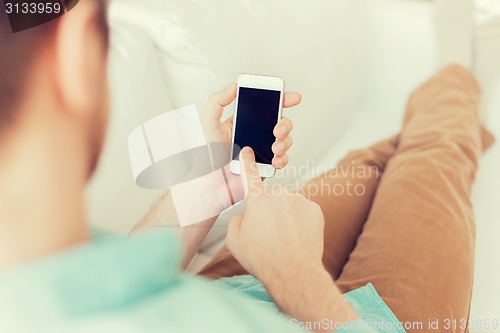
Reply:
x=163 y=215
x=310 y=296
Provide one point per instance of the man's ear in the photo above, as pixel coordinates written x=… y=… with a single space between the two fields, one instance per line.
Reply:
x=75 y=59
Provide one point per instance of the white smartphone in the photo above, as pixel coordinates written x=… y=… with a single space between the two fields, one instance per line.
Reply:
x=258 y=108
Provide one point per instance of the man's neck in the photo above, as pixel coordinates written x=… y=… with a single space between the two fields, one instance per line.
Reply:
x=41 y=197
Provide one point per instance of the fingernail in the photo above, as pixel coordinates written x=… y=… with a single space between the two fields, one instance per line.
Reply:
x=246 y=150
x=280 y=146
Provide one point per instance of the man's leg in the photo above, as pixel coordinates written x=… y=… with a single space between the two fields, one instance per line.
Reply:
x=417 y=246
x=345 y=195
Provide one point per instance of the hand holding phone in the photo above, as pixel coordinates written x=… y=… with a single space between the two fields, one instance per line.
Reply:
x=259 y=104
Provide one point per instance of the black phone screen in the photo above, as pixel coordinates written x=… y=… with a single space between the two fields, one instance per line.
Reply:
x=256 y=117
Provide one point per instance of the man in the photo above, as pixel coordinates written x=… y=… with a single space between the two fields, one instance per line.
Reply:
x=53 y=119
x=53 y=279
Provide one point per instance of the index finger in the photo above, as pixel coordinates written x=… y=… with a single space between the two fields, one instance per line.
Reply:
x=251 y=177
x=291 y=99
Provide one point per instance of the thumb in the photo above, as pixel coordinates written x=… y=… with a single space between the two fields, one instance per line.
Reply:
x=216 y=103
x=233 y=232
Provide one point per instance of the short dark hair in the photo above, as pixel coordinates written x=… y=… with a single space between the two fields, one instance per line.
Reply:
x=17 y=52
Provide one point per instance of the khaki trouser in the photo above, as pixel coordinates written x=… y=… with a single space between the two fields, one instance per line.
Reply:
x=411 y=232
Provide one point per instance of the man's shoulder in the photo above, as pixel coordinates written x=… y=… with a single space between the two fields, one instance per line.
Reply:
x=125 y=285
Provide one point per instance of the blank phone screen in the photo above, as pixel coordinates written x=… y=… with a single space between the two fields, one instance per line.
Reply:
x=256 y=117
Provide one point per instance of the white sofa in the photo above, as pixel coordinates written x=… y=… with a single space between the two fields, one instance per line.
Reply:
x=355 y=62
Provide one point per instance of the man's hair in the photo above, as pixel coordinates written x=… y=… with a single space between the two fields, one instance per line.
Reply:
x=17 y=52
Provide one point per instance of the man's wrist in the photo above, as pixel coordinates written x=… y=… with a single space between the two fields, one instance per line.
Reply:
x=281 y=282
x=309 y=294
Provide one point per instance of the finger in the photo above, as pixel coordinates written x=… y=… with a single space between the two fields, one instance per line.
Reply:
x=291 y=99
x=249 y=172
x=233 y=230
x=216 y=103
x=280 y=147
x=283 y=128
x=279 y=162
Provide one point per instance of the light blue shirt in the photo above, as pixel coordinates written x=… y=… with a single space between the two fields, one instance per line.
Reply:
x=131 y=286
